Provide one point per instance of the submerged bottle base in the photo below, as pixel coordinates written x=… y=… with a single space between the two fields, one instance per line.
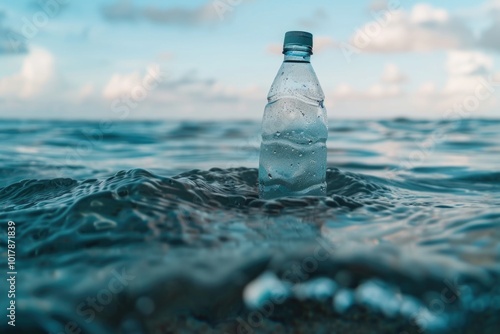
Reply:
x=278 y=191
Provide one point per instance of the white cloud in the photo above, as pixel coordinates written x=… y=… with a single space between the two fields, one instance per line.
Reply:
x=384 y=91
x=469 y=74
x=465 y=71
x=424 y=28
x=427 y=88
x=393 y=75
x=183 y=96
x=35 y=77
x=423 y=13
x=496 y=77
x=489 y=13
x=344 y=91
x=468 y=63
x=124 y=84
x=121 y=84
x=492 y=5
x=389 y=86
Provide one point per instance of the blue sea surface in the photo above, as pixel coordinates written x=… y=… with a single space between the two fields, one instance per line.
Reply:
x=153 y=226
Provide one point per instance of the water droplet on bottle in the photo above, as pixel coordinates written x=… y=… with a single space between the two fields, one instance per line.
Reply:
x=274 y=151
x=270 y=176
x=300 y=154
x=278 y=134
x=310 y=141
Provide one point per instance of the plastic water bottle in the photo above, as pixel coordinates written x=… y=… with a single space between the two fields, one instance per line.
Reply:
x=294 y=127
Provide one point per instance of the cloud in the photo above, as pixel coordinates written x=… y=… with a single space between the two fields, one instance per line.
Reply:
x=390 y=85
x=465 y=70
x=468 y=77
x=423 y=14
x=120 y=84
x=184 y=95
x=489 y=11
x=35 y=77
x=489 y=37
x=424 y=28
x=125 y=10
x=468 y=63
x=393 y=75
x=427 y=88
x=376 y=91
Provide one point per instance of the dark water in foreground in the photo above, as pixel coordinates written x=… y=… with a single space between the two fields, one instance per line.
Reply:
x=156 y=227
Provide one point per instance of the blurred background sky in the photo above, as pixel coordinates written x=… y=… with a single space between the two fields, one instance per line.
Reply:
x=215 y=59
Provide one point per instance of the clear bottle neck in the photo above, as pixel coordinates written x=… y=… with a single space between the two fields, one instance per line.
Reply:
x=297 y=54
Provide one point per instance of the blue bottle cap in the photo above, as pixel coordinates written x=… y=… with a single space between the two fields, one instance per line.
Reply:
x=301 y=38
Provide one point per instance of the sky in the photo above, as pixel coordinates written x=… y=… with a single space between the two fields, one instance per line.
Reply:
x=216 y=59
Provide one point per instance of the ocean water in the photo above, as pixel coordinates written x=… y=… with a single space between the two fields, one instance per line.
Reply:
x=156 y=227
